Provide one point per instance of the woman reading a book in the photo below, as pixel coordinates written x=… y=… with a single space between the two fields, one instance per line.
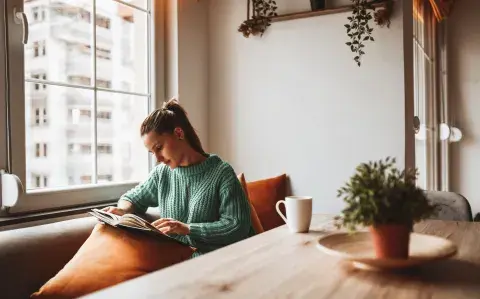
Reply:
x=198 y=194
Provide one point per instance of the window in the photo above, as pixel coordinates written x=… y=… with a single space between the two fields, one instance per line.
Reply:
x=103 y=83
x=39 y=49
x=86 y=113
x=37 y=116
x=66 y=86
x=35 y=49
x=105 y=177
x=40 y=117
x=101 y=52
x=85 y=149
x=38 y=179
x=103 y=22
x=104 y=149
x=39 y=86
x=79 y=80
x=104 y=115
x=35 y=13
x=86 y=179
x=38 y=150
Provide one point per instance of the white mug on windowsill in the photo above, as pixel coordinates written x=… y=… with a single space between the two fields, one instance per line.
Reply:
x=299 y=213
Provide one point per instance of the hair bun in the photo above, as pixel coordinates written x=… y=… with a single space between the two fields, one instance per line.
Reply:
x=173 y=106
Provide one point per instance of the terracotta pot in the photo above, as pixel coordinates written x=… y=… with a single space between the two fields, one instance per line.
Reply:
x=391 y=241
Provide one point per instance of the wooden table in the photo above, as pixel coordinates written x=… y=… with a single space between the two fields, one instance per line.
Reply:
x=280 y=264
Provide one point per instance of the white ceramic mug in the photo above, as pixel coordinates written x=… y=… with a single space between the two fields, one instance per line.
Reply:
x=299 y=212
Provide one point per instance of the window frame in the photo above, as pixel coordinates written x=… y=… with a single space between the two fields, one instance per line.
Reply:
x=3 y=100
x=80 y=195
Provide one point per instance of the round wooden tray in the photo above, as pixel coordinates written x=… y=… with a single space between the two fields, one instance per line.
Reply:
x=358 y=248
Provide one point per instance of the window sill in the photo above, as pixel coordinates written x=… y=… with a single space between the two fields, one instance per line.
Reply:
x=49 y=215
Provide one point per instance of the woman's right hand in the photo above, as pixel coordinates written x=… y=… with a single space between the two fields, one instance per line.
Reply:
x=115 y=210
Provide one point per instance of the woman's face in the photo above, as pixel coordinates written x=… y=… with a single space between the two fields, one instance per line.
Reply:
x=167 y=148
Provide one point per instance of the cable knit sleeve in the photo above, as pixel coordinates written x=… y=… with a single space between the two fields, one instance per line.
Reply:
x=234 y=217
x=145 y=194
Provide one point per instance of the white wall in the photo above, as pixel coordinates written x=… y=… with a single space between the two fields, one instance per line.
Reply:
x=464 y=93
x=187 y=59
x=294 y=102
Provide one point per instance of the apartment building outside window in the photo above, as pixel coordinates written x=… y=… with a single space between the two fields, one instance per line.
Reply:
x=68 y=88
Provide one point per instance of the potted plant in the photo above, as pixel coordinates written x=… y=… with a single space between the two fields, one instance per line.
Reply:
x=359 y=29
x=387 y=201
x=262 y=13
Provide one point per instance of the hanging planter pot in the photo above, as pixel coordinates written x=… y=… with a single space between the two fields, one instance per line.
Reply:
x=317 y=4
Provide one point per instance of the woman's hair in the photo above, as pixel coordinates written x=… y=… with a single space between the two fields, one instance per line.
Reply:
x=167 y=118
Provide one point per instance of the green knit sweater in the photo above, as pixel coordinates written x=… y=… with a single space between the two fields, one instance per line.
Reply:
x=207 y=196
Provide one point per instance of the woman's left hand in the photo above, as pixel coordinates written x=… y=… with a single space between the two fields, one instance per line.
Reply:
x=171 y=226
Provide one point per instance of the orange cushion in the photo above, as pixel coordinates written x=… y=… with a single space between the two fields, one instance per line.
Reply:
x=257 y=225
x=264 y=194
x=110 y=256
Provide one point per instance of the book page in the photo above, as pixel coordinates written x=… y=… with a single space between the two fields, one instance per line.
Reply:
x=114 y=217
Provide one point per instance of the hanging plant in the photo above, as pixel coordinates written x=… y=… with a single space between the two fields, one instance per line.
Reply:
x=359 y=30
x=263 y=11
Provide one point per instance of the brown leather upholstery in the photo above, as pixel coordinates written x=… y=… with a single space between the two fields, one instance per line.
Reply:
x=31 y=256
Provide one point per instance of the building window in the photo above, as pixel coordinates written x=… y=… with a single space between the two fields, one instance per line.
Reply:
x=35 y=49
x=37 y=85
x=103 y=22
x=38 y=13
x=104 y=115
x=86 y=113
x=104 y=83
x=101 y=53
x=38 y=150
x=35 y=14
x=37 y=116
x=39 y=49
x=38 y=179
x=86 y=179
x=40 y=77
x=105 y=178
x=80 y=80
x=44 y=77
x=40 y=116
x=85 y=149
x=104 y=149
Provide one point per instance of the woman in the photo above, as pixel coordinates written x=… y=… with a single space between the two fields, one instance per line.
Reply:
x=198 y=195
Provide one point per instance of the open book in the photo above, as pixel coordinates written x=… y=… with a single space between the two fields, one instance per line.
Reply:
x=133 y=222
